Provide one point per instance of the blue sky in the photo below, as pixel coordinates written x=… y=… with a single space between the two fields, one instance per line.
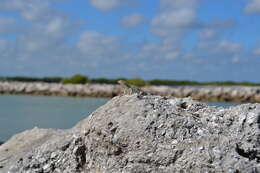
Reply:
x=202 y=40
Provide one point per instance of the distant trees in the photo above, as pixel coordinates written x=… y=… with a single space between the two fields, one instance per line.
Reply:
x=32 y=79
x=137 y=82
x=76 y=79
x=104 y=81
x=52 y=79
x=82 y=79
x=172 y=82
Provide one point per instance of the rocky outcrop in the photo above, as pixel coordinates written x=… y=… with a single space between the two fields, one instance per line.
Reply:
x=206 y=93
x=143 y=134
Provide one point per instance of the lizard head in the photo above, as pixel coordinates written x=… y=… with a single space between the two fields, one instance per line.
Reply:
x=121 y=82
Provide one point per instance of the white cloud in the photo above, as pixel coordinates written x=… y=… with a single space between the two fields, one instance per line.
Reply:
x=31 y=10
x=42 y=41
x=173 y=22
x=178 y=18
x=4 y=46
x=132 y=20
x=46 y=27
x=46 y=36
x=227 y=46
x=6 y=24
x=213 y=29
x=253 y=7
x=178 y=4
x=175 y=17
x=164 y=50
x=223 y=46
x=257 y=51
x=220 y=23
x=208 y=34
x=57 y=26
x=218 y=52
x=106 y=5
x=96 y=45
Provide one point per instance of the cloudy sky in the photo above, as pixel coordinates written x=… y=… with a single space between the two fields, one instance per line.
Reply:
x=205 y=40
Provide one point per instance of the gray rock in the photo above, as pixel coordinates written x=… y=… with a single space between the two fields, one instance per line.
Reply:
x=207 y=93
x=149 y=134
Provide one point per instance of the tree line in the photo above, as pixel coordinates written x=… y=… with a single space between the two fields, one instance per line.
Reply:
x=83 y=79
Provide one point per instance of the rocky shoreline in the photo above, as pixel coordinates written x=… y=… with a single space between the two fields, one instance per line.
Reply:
x=205 y=93
x=143 y=134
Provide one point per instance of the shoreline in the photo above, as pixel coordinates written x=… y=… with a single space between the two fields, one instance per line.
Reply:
x=203 y=93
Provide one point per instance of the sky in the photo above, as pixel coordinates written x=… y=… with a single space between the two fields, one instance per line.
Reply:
x=202 y=40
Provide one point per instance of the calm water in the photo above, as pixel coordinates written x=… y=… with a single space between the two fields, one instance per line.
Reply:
x=18 y=112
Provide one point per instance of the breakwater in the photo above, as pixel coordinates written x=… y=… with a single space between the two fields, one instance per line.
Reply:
x=206 y=93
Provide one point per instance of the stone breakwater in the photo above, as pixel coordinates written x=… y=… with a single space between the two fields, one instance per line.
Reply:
x=150 y=134
x=57 y=89
x=207 y=93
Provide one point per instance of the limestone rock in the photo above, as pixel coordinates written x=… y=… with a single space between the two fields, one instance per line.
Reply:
x=206 y=93
x=148 y=134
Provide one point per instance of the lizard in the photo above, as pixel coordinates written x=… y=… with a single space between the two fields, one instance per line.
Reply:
x=130 y=89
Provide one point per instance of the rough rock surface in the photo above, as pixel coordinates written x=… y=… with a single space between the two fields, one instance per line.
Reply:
x=137 y=135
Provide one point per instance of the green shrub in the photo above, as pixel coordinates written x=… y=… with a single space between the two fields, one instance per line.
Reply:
x=103 y=81
x=32 y=79
x=23 y=79
x=76 y=79
x=173 y=82
x=137 y=82
x=52 y=79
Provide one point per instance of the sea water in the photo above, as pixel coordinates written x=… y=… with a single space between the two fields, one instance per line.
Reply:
x=19 y=112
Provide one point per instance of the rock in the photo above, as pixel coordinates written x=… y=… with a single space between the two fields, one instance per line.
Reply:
x=22 y=143
x=149 y=134
x=206 y=93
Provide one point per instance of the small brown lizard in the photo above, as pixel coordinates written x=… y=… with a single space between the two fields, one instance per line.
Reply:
x=130 y=89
